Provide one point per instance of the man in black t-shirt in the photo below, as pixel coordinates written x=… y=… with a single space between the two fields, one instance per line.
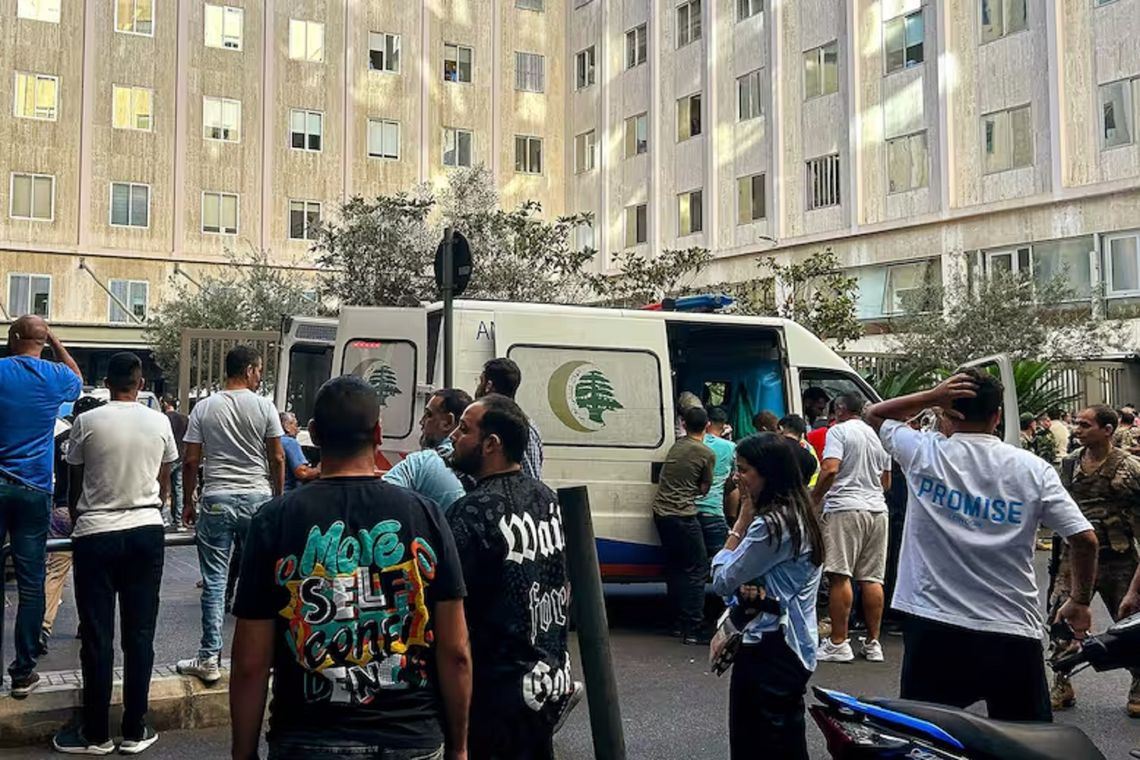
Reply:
x=351 y=591
x=508 y=532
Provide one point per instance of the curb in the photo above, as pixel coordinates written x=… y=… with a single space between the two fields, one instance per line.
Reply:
x=176 y=703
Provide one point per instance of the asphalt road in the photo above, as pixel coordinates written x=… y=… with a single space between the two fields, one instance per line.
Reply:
x=672 y=707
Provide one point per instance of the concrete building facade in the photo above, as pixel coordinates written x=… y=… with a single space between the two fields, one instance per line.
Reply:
x=919 y=139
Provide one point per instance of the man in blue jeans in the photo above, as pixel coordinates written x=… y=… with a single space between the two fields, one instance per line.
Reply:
x=240 y=434
x=722 y=498
x=31 y=390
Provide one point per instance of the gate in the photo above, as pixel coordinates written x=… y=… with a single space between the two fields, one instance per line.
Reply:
x=202 y=360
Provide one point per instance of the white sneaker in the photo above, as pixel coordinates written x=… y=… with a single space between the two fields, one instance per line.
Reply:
x=872 y=650
x=831 y=652
x=207 y=670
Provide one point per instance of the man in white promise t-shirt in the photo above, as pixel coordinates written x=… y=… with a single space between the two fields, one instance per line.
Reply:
x=966 y=576
x=121 y=454
x=854 y=472
x=239 y=432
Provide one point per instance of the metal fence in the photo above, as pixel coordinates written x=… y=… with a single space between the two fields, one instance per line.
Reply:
x=202 y=360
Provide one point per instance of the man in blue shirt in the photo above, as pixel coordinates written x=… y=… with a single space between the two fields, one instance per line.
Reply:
x=427 y=472
x=297 y=469
x=31 y=390
x=712 y=507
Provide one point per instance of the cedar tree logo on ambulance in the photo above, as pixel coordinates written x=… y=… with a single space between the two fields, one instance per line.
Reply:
x=580 y=395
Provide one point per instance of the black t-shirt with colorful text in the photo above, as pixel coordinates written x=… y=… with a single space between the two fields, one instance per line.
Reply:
x=508 y=532
x=349 y=570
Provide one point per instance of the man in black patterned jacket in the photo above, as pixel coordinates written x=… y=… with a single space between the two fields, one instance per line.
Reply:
x=508 y=532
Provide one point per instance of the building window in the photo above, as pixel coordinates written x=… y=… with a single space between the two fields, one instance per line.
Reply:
x=636 y=225
x=133 y=294
x=689 y=213
x=384 y=52
x=306 y=40
x=530 y=5
x=636 y=135
x=584 y=152
x=528 y=155
x=636 y=46
x=1007 y=140
x=748 y=8
x=220 y=213
x=39 y=10
x=1123 y=263
x=530 y=72
x=903 y=39
x=132 y=108
x=584 y=68
x=821 y=71
x=1117 y=114
x=135 y=17
x=584 y=236
x=130 y=205
x=906 y=163
x=383 y=139
x=894 y=289
x=748 y=101
x=688 y=117
x=823 y=182
x=29 y=294
x=457 y=63
x=1002 y=17
x=305 y=130
x=304 y=220
x=457 y=145
x=37 y=96
x=32 y=197
x=224 y=26
x=688 y=22
x=221 y=119
x=750 y=199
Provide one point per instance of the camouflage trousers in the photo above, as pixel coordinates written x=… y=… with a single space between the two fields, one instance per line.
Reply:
x=1114 y=573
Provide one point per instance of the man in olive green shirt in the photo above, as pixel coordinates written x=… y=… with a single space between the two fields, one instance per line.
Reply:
x=685 y=478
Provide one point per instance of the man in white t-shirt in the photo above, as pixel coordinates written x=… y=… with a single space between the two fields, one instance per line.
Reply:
x=121 y=454
x=239 y=432
x=966 y=576
x=854 y=472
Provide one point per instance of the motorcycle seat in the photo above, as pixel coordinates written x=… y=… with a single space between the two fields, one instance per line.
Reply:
x=986 y=739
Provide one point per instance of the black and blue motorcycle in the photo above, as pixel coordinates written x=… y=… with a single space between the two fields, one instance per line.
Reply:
x=893 y=729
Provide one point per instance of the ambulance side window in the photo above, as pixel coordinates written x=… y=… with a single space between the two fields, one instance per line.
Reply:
x=833 y=383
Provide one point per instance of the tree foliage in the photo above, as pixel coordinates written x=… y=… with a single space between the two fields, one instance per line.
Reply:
x=643 y=279
x=249 y=294
x=816 y=293
x=1003 y=314
x=380 y=252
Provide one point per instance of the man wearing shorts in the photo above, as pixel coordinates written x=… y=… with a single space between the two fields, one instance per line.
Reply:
x=853 y=475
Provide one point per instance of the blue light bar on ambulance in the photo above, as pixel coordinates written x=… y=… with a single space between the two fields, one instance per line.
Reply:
x=700 y=303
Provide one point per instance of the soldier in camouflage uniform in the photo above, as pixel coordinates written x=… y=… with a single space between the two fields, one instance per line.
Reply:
x=1105 y=483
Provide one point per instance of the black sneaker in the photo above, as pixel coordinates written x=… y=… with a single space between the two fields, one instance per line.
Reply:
x=22 y=687
x=71 y=741
x=696 y=639
x=138 y=746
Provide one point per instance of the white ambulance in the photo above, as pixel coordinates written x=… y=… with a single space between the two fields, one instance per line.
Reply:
x=600 y=384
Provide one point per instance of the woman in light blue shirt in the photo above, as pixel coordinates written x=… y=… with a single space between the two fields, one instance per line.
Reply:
x=776 y=543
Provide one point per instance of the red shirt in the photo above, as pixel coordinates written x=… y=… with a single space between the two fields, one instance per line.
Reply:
x=817 y=438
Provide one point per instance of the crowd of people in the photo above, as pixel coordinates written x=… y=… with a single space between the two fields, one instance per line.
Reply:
x=418 y=615
x=422 y=613
x=965 y=588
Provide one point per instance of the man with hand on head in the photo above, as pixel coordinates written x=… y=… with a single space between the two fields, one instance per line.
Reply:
x=31 y=391
x=975 y=505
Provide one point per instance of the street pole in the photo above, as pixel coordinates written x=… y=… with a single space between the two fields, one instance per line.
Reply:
x=588 y=607
x=448 y=297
